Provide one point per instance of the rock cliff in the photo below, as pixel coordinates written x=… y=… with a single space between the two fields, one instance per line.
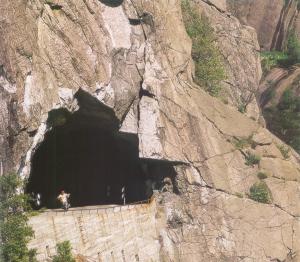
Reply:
x=239 y=47
x=271 y=19
x=53 y=52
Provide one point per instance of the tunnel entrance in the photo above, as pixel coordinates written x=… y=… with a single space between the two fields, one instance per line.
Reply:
x=91 y=164
x=85 y=155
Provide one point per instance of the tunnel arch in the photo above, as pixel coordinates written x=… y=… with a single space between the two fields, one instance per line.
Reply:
x=84 y=154
x=112 y=3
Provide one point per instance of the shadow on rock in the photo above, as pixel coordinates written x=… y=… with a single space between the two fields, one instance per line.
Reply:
x=112 y=3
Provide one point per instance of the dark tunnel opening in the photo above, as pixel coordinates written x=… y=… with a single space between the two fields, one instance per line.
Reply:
x=85 y=155
x=112 y=3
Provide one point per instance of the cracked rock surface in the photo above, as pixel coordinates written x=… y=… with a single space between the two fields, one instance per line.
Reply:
x=272 y=19
x=239 y=48
x=143 y=73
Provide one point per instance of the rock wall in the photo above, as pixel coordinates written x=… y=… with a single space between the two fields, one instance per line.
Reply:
x=221 y=5
x=143 y=73
x=278 y=96
x=6 y=103
x=278 y=80
x=272 y=19
x=240 y=49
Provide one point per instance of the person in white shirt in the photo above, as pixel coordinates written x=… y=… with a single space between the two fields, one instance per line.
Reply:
x=64 y=200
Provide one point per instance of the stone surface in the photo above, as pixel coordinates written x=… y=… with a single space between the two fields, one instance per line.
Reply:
x=277 y=81
x=286 y=194
x=219 y=4
x=142 y=74
x=280 y=168
x=272 y=19
x=105 y=234
x=6 y=113
x=270 y=151
x=217 y=225
x=271 y=93
x=240 y=49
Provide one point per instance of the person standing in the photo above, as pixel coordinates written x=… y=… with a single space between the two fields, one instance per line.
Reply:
x=63 y=198
x=36 y=200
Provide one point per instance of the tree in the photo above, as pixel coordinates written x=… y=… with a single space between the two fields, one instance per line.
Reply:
x=14 y=230
x=64 y=252
x=293 y=48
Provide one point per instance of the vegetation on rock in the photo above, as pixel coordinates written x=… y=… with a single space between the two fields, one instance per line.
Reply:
x=14 y=230
x=284 y=120
x=285 y=58
x=286 y=2
x=283 y=116
x=271 y=59
x=64 y=252
x=251 y=159
x=209 y=68
x=262 y=175
x=239 y=195
x=284 y=150
x=260 y=192
x=244 y=142
x=242 y=107
x=293 y=49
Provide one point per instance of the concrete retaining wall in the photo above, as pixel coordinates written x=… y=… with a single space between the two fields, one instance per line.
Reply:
x=126 y=233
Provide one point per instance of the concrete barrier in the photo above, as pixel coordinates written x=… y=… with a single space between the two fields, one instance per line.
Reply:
x=118 y=233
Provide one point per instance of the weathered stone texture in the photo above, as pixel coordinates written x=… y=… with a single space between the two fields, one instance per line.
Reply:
x=107 y=234
x=277 y=81
x=221 y=5
x=272 y=19
x=216 y=225
x=240 y=49
x=5 y=152
x=143 y=74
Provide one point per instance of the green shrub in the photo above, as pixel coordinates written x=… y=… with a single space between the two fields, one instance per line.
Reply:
x=260 y=192
x=64 y=252
x=251 y=159
x=242 y=108
x=284 y=120
x=289 y=56
x=244 y=142
x=14 y=230
x=293 y=48
x=238 y=194
x=262 y=175
x=271 y=59
x=284 y=150
x=240 y=144
x=209 y=68
x=33 y=213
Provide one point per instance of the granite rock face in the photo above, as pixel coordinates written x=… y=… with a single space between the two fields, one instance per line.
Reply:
x=278 y=80
x=239 y=47
x=221 y=5
x=272 y=19
x=277 y=85
x=51 y=52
